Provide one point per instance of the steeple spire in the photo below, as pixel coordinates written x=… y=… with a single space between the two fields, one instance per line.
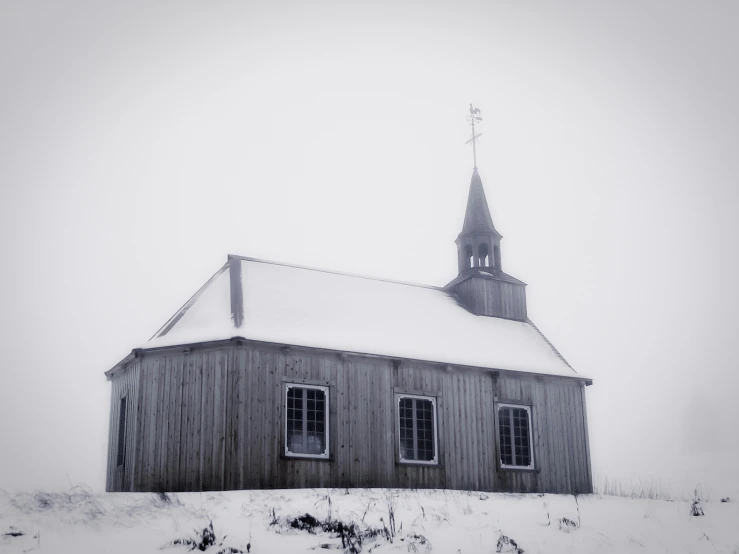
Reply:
x=478 y=245
x=477 y=216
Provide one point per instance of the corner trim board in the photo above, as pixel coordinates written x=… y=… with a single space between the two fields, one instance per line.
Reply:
x=237 y=291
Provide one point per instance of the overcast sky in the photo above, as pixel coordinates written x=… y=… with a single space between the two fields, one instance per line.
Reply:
x=141 y=142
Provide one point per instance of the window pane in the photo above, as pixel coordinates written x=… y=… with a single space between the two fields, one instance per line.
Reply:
x=306 y=421
x=504 y=428
x=515 y=443
x=425 y=429
x=406 y=429
x=316 y=439
x=416 y=427
x=294 y=436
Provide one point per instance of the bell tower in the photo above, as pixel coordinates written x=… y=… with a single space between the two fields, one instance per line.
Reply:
x=481 y=286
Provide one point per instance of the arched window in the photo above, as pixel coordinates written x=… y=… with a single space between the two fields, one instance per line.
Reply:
x=468 y=256
x=483 y=255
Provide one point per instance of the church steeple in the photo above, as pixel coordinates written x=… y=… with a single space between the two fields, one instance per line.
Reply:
x=478 y=245
x=481 y=286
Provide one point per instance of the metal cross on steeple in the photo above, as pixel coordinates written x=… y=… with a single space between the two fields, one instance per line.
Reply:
x=473 y=118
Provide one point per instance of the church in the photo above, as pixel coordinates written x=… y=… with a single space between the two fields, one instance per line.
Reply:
x=279 y=376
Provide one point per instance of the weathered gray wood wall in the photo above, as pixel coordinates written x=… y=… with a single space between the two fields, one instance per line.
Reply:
x=211 y=419
x=493 y=297
x=561 y=449
x=124 y=384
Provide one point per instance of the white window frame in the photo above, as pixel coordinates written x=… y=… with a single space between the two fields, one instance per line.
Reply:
x=326 y=453
x=435 y=460
x=531 y=436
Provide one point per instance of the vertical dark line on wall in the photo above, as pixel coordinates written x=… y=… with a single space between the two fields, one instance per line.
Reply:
x=224 y=360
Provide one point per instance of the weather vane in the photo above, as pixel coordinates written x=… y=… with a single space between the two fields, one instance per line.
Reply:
x=474 y=118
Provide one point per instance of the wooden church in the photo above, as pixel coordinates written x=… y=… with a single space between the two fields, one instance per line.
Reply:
x=279 y=376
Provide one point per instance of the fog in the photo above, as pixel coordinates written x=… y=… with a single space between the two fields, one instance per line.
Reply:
x=142 y=142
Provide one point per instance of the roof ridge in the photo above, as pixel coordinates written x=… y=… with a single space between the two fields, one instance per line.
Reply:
x=334 y=272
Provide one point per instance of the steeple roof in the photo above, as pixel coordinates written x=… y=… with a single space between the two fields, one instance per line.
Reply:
x=477 y=217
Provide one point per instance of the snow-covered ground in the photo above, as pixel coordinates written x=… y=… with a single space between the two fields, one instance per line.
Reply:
x=439 y=521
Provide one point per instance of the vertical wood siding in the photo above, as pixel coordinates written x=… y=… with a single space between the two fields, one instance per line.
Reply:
x=125 y=383
x=211 y=419
x=561 y=454
x=491 y=297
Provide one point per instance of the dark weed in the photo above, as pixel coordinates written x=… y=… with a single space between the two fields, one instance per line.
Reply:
x=696 y=509
x=416 y=542
x=352 y=537
x=508 y=545
x=567 y=525
x=203 y=540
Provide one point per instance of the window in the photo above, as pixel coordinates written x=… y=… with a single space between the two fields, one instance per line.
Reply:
x=514 y=429
x=121 y=448
x=417 y=429
x=306 y=421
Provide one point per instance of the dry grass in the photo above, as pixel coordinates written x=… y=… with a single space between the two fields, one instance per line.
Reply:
x=641 y=488
x=77 y=500
x=80 y=505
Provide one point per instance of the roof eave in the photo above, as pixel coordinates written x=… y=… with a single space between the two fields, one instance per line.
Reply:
x=239 y=340
x=478 y=231
x=479 y=272
x=122 y=364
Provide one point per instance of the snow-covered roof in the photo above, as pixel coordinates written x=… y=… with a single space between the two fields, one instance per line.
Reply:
x=300 y=306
